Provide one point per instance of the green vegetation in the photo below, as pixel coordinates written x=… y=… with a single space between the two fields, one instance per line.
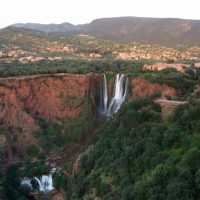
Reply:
x=184 y=83
x=10 y=188
x=32 y=151
x=11 y=185
x=54 y=137
x=69 y=66
x=138 y=156
x=29 y=169
x=135 y=155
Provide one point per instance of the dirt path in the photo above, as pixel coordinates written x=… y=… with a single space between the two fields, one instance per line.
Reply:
x=170 y=101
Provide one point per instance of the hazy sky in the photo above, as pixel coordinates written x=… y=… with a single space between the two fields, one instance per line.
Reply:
x=84 y=11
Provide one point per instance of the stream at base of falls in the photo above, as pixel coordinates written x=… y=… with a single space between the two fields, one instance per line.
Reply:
x=42 y=184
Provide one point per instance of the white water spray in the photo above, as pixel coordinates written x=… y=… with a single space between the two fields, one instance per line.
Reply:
x=45 y=183
x=27 y=183
x=103 y=95
x=119 y=95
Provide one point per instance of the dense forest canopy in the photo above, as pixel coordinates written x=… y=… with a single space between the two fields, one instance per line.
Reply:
x=68 y=66
x=136 y=155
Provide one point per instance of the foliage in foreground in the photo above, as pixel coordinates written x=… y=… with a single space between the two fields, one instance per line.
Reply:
x=137 y=156
x=10 y=183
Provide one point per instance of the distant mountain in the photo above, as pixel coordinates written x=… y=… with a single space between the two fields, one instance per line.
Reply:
x=64 y=27
x=167 y=31
x=147 y=30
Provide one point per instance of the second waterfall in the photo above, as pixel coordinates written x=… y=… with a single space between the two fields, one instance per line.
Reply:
x=109 y=107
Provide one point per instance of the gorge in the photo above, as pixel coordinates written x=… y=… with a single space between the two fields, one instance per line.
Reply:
x=46 y=118
x=42 y=113
x=30 y=104
x=26 y=100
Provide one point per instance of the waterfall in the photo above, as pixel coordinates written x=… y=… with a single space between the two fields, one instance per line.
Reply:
x=103 y=95
x=27 y=183
x=41 y=188
x=119 y=95
x=45 y=183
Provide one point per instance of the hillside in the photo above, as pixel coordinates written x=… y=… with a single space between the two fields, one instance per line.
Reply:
x=64 y=27
x=160 y=31
x=147 y=30
x=12 y=38
x=20 y=45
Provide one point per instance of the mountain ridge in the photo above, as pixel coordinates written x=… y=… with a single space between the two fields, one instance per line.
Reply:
x=52 y=27
x=167 y=31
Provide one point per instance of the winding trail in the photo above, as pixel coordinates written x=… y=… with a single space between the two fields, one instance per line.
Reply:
x=165 y=101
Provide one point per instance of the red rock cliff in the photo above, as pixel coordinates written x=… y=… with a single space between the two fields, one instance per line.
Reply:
x=51 y=97
x=144 y=88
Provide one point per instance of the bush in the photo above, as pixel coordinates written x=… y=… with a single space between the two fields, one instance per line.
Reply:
x=32 y=150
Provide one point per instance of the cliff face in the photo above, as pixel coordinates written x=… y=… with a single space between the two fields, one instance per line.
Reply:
x=53 y=97
x=65 y=99
x=144 y=88
x=25 y=100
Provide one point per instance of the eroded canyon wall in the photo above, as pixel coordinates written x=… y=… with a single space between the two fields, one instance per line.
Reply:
x=25 y=100
x=143 y=88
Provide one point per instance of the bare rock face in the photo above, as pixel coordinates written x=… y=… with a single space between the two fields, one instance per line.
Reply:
x=144 y=88
x=25 y=99
x=94 y=81
x=13 y=114
x=50 y=97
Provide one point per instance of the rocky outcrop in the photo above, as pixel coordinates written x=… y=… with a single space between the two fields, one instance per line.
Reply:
x=144 y=88
x=168 y=107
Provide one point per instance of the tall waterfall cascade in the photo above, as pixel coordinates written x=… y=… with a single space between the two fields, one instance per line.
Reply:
x=119 y=94
x=45 y=183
